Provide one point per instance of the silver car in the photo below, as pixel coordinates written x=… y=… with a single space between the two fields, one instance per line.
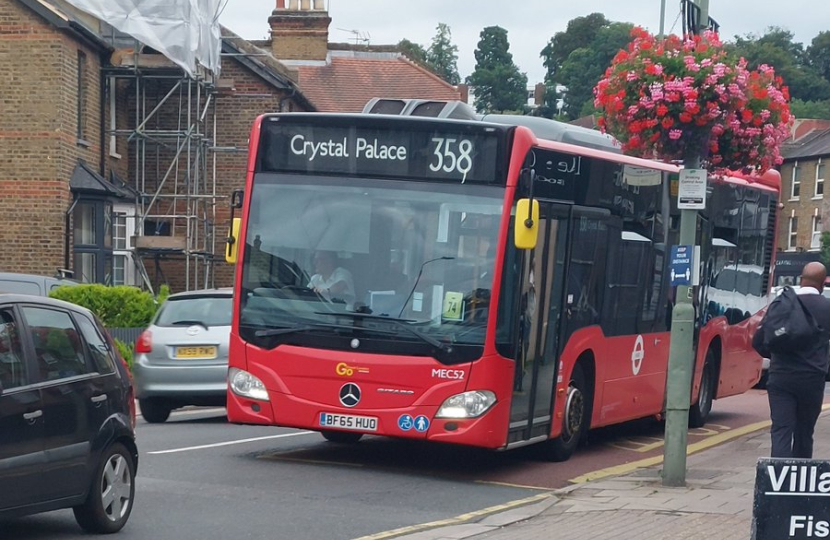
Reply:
x=182 y=357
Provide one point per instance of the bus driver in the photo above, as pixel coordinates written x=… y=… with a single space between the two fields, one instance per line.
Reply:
x=332 y=282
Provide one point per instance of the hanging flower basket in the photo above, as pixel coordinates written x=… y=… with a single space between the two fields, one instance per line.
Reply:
x=677 y=99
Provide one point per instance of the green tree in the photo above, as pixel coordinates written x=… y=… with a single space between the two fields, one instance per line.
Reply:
x=584 y=66
x=413 y=51
x=498 y=84
x=579 y=34
x=442 y=55
x=818 y=54
x=810 y=109
x=777 y=49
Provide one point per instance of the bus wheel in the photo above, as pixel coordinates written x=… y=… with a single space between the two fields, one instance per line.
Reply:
x=699 y=411
x=342 y=437
x=575 y=418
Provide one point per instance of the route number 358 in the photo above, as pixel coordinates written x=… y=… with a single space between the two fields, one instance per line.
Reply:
x=452 y=155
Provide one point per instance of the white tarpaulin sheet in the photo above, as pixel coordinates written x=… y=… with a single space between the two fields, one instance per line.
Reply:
x=185 y=31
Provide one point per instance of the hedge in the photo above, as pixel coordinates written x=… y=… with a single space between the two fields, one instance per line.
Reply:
x=121 y=306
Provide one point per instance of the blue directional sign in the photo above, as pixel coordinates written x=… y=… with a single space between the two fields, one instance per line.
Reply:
x=405 y=422
x=421 y=423
x=680 y=265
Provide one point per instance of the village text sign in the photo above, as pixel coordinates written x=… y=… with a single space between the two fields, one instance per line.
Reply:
x=792 y=499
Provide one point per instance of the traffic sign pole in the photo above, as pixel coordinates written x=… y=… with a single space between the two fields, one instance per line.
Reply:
x=681 y=363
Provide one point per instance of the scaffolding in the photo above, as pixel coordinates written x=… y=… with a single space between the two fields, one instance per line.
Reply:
x=170 y=134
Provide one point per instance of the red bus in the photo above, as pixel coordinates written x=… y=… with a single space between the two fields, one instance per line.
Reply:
x=382 y=287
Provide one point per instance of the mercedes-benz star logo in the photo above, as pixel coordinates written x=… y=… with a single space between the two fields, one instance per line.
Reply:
x=349 y=394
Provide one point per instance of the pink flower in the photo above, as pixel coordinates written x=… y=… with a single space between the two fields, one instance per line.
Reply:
x=675 y=134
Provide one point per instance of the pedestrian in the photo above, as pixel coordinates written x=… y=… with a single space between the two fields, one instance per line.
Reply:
x=795 y=384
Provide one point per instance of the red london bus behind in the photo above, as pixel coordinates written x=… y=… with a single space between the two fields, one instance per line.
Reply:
x=388 y=283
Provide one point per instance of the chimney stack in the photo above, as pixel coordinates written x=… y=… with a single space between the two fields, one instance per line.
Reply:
x=300 y=31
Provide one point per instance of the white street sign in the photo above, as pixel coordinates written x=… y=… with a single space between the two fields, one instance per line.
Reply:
x=691 y=191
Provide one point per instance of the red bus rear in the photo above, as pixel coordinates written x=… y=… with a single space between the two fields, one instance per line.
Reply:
x=382 y=288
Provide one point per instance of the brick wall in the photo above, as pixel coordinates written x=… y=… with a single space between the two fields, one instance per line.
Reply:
x=804 y=206
x=38 y=136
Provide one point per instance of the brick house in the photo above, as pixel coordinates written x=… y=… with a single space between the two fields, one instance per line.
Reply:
x=69 y=168
x=50 y=110
x=116 y=166
x=803 y=176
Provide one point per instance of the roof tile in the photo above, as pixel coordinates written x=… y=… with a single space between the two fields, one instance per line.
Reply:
x=347 y=84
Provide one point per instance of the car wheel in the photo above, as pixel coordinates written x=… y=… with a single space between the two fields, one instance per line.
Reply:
x=699 y=411
x=110 y=499
x=342 y=437
x=154 y=410
x=575 y=418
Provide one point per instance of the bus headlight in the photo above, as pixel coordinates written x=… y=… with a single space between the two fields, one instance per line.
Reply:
x=244 y=384
x=467 y=405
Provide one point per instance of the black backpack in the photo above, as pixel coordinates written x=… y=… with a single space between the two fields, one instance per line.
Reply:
x=787 y=326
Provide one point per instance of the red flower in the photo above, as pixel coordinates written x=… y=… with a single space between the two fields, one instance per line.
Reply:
x=685 y=117
x=746 y=116
x=662 y=110
x=667 y=123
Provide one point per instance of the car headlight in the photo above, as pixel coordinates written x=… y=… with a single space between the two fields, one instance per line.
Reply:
x=467 y=405
x=244 y=384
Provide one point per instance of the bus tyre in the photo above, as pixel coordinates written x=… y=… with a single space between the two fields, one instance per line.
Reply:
x=154 y=411
x=575 y=418
x=342 y=437
x=700 y=409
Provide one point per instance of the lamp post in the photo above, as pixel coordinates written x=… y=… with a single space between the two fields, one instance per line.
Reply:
x=681 y=348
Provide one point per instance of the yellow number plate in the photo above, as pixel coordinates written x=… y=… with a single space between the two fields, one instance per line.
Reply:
x=196 y=352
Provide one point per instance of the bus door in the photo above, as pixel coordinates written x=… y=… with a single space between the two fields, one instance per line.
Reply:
x=542 y=288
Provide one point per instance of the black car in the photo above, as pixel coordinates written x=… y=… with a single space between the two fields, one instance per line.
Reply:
x=67 y=415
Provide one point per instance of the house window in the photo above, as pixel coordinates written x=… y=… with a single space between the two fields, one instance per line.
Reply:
x=119 y=230
x=82 y=97
x=85 y=224
x=815 y=239
x=796 y=184
x=793 y=233
x=113 y=87
x=92 y=239
x=85 y=267
x=820 y=179
x=123 y=228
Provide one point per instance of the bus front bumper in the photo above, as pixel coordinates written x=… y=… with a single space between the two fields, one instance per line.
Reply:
x=417 y=422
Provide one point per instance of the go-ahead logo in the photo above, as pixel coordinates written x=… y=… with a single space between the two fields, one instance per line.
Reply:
x=349 y=394
x=345 y=370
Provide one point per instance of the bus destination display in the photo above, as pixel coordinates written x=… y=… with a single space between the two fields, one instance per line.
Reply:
x=429 y=154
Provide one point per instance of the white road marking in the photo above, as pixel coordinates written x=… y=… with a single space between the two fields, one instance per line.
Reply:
x=229 y=443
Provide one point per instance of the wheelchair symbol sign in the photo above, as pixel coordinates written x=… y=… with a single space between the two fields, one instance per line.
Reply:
x=405 y=422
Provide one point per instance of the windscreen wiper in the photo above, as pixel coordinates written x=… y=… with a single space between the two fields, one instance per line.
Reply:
x=399 y=323
x=188 y=323
x=280 y=331
x=268 y=332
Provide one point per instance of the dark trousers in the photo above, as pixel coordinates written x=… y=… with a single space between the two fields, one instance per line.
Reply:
x=795 y=402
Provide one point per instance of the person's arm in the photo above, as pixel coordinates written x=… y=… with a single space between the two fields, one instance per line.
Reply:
x=341 y=284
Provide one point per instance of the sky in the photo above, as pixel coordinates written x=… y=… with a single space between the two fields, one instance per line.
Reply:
x=530 y=23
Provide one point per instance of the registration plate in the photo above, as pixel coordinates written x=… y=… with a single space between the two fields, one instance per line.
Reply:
x=349 y=421
x=196 y=352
